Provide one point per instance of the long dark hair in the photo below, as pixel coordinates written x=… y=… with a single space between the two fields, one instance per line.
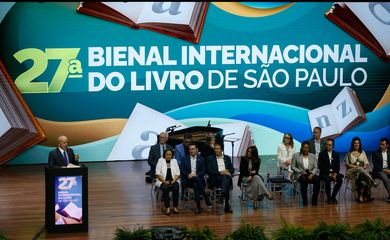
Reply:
x=291 y=139
x=255 y=154
x=304 y=143
x=360 y=144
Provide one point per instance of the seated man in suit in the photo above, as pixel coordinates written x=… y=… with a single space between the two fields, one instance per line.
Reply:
x=304 y=166
x=156 y=152
x=181 y=149
x=61 y=156
x=220 y=170
x=381 y=162
x=329 y=165
x=192 y=172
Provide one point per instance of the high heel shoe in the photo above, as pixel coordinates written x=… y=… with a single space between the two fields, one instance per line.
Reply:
x=269 y=196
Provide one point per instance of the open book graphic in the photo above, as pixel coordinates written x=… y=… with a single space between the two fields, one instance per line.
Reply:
x=19 y=129
x=71 y=210
x=343 y=113
x=239 y=134
x=140 y=132
x=178 y=19
x=368 y=22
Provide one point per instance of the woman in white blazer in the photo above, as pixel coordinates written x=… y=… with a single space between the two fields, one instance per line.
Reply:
x=168 y=175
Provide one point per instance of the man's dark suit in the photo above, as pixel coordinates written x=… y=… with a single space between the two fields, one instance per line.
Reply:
x=313 y=146
x=154 y=156
x=197 y=182
x=218 y=180
x=325 y=168
x=56 y=158
x=377 y=172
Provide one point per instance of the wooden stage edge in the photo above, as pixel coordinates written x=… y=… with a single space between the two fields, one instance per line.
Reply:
x=119 y=197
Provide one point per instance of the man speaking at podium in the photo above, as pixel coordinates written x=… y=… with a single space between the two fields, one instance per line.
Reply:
x=62 y=156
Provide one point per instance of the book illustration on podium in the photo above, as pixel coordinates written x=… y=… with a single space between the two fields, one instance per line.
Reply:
x=183 y=20
x=71 y=210
x=343 y=113
x=368 y=22
x=19 y=128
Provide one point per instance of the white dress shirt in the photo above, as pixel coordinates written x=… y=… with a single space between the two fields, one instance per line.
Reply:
x=384 y=157
x=193 y=164
x=221 y=163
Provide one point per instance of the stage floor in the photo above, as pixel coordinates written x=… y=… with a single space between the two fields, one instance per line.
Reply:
x=119 y=196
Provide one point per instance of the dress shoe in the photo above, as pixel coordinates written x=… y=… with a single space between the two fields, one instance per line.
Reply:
x=388 y=199
x=370 y=199
x=334 y=201
x=330 y=201
x=228 y=209
x=208 y=203
x=168 y=212
x=269 y=196
x=198 y=210
x=175 y=211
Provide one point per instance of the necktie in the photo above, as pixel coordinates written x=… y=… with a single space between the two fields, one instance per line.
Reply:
x=66 y=157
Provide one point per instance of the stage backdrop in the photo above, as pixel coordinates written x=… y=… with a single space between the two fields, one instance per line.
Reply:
x=258 y=68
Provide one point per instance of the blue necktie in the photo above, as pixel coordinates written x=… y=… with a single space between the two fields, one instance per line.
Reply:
x=66 y=157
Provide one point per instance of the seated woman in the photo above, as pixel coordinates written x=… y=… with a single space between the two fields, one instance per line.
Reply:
x=168 y=174
x=356 y=163
x=285 y=152
x=249 y=173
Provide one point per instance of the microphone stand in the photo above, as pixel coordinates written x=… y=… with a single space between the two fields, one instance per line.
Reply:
x=232 y=141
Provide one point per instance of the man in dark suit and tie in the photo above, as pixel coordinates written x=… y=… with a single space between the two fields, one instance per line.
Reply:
x=329 y=165
x=192 y=175
x=381 y=162
x=62 y=155
x=220 y=170
x=305 y=168
x=317 y=144
x=156 y=151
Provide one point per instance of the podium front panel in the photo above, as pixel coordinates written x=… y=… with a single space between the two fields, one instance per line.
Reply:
x=66 y=199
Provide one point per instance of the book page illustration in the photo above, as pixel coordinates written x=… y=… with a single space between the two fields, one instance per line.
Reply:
x=4 y=124
x=324 y=118
x=376 y=17
x=132 y=10
x=344 y=110
x=140 y=133
x=167 y=12
x=73 y=211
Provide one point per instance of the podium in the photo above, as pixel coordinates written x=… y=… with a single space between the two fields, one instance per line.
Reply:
x=66 y=199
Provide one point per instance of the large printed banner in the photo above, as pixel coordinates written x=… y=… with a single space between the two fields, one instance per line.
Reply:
x=258 y=68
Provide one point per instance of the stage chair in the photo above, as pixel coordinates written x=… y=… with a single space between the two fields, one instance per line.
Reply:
x=276 y=182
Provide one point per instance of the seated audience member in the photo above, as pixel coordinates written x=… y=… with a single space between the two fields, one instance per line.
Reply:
x=304 y=166
x=181 y=149
x=168 y=174
x=381 y=162
x=249 y=173
x=192 y=172
x=285 y=152
x=156 y=151
x=220 y=170
x=62 y=155
x=329 y=165
x=356 y=163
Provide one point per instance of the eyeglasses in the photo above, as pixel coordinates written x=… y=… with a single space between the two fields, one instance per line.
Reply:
x=286 y=137
x=329 y=144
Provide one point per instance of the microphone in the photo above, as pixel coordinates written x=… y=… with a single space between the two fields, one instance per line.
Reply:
x=227 y=134
x=208 y=124
x=172 y=128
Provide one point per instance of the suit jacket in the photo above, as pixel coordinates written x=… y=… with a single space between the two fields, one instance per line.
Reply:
x=377 y=160
x=56 y=158
x=324 y=162
x=297 y=164
x=155 y=154
x=185 y=167
x=244 y=170
x=313 y=147
x=179 y=152
x=212 y=167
